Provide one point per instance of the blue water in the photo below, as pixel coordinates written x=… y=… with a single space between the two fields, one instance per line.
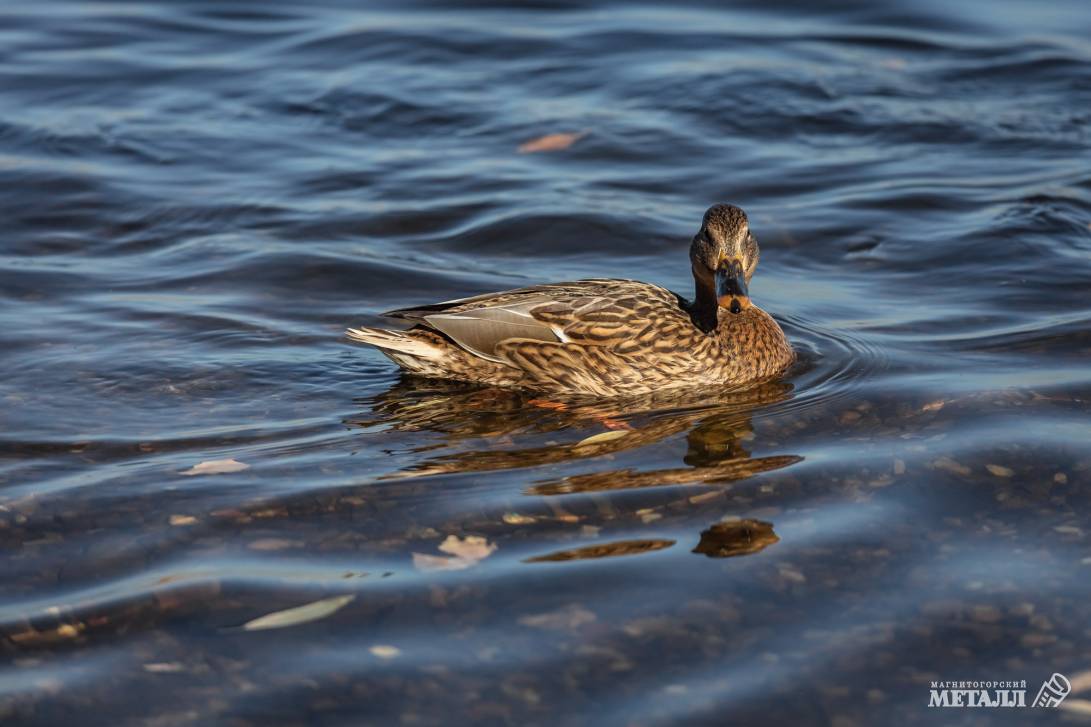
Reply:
x=198 y=197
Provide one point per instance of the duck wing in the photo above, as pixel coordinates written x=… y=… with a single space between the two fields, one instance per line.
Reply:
x=596 y=312
x=536 y=293
x=480 y=330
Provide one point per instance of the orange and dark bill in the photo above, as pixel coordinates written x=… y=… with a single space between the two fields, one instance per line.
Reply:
x=731 y=290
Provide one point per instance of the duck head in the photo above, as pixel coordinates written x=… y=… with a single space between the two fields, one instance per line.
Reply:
x=724 y=256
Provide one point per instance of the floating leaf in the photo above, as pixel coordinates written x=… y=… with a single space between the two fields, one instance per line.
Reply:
x=164 y=667
x=1077 y=706
x=69 y=631
x=215 y=467
x=551 y=142
x=299 y=614
x=563 y=619
x=602 y=437
x=472 y=547
x=385 y=652
x=514 y=518
x=50 y=636
x=1080 y=682
x=466 y=552
x=178 y=520
x=425 y=562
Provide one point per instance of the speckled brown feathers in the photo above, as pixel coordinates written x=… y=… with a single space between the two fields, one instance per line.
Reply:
x=612 y=337
x=601 y=337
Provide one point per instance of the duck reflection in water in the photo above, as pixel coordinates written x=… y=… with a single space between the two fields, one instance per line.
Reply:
x=493 y=429
x=717 y=425
x=725 y=539
x=729 y=538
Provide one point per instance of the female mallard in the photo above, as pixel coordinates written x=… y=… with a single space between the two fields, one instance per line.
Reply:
x=604 y=337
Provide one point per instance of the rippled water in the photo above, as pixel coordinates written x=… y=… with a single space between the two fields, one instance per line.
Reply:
x=199 y=197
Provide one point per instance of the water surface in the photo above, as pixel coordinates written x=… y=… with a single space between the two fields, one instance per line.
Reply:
x=198 y=197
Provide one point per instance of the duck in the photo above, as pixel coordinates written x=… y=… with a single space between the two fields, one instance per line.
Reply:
x=604 y=337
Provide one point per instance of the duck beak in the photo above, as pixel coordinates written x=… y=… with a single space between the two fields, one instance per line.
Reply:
x=731 y=290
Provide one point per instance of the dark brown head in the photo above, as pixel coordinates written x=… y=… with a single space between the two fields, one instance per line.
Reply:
x=724 y=256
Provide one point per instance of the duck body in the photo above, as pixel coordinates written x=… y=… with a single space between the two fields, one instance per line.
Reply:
x=603 y=337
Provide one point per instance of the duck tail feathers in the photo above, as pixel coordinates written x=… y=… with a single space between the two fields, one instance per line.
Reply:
x=394 y=341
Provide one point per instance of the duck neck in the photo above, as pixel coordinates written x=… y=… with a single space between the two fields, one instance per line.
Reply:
x=704 y=311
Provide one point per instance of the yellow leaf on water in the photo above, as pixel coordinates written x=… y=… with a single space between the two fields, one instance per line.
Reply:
x=215 y=467
x=299 y=614
x=68 y=631
x=551 y=142
x=385 y=652
x=602 y=437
